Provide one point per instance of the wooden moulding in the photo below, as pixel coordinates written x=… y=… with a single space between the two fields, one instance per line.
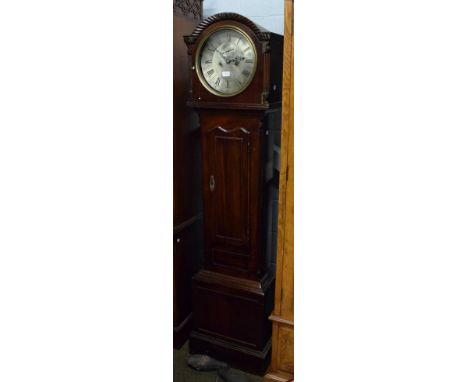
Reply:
x=253 y=361
x=261 y=33
x=229 y=282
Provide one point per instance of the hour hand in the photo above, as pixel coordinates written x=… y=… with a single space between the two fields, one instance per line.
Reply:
x=222 y=55
x=238 y=59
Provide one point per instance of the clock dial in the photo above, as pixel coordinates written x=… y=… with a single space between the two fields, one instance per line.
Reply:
x=226 y=62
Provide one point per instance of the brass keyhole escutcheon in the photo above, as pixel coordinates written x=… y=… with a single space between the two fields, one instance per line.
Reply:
x=212 y=183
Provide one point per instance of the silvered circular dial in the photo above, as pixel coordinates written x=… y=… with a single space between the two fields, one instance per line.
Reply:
x=226 y=62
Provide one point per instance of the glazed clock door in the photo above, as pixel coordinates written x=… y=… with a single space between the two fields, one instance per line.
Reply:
x=228 y=199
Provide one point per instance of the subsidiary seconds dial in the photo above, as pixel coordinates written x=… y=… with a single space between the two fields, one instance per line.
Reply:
x=226 y=61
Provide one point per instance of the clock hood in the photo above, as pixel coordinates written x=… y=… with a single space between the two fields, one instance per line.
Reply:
x=264 y=89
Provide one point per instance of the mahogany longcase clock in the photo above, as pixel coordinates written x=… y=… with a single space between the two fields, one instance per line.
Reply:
x=235 y=71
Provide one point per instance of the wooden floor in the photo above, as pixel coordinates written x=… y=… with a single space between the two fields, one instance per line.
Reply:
x=183 y=373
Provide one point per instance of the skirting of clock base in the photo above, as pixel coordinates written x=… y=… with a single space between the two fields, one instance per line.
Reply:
x=243 y=358
x=230 y=319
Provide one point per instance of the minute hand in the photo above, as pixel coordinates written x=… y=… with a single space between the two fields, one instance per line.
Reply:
x=222 y=55
x=236 y=60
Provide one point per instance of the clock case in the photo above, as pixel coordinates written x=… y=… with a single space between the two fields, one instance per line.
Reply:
x=233 y=294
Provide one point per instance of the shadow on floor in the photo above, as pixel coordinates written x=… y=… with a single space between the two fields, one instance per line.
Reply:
x=184 y=373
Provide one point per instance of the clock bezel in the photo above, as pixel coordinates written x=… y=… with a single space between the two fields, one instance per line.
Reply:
x=198 y=69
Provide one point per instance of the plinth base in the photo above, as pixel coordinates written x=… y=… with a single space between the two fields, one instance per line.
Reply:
x=230 y=319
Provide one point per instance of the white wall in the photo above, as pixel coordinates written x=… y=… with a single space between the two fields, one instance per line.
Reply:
x=266 y=13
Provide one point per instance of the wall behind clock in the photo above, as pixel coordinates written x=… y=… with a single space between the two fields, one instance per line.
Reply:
x=266 y=13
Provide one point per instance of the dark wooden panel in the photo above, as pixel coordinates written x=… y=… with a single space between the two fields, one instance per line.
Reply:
x=232 y=154
x=187 y=242
x=233 y=324
x=186 y=134
x=186 y=175
x=229 y=259
x=229 y=168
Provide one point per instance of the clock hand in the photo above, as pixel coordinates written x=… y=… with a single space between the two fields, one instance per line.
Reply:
x=222 y=55
x=238 y=59
x=228 y=61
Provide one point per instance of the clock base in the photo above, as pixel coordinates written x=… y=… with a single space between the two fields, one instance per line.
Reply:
x=239 y=357
x=230 y=319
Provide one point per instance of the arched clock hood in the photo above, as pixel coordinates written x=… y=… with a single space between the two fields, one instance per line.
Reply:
x=264 y=90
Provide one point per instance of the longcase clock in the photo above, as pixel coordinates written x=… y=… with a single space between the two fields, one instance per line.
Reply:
x=235 y=71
